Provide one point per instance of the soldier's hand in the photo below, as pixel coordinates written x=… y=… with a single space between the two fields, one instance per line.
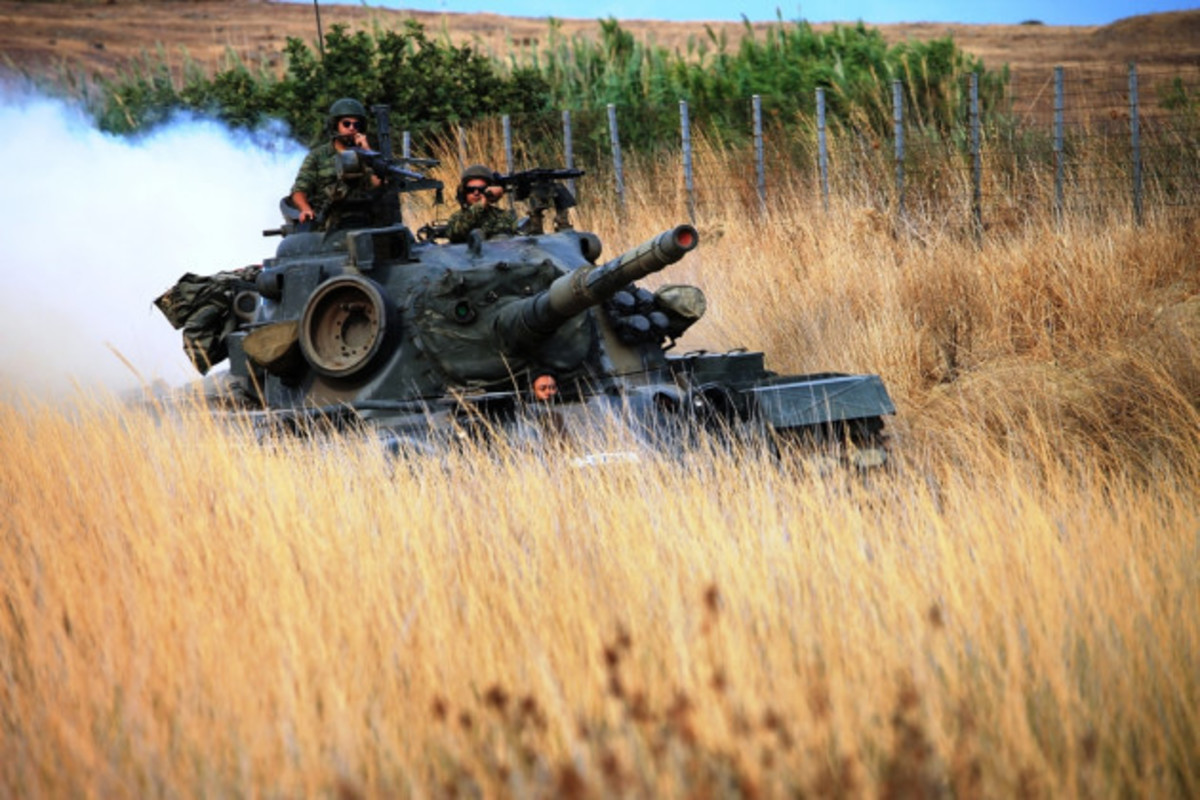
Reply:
x=306 y=215
x=360 y=140
x=494 y=193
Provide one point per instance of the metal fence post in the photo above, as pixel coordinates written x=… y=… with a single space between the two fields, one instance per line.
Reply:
x=618 y=173
x=462 y=148
x=1059 y=155
x=1136 y=140
x=568 y=149
x=976 y=162
x=686 y=132
x=759 y=167
x=898 y=127
x=506 y=127
x=405 y=152
x=822 y=150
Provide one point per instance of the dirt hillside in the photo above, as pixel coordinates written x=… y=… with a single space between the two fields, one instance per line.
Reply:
x=97 y=38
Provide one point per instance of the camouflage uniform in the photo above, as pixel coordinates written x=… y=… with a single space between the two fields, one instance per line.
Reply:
x=492 y=220
x=318 y=179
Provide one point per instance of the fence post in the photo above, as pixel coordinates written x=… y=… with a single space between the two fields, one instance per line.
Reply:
x=406 y=153
x=898 y=127
x=568 y=149
x=822 y=150
x=758 y=155
x=1059 y=156
x=616 y=154
x=462 y=148
x=1135 y=137
x=686 y=132
x=506 y=127
x=976 y=162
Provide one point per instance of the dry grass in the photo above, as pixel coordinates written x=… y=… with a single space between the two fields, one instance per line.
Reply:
x=1011 y=611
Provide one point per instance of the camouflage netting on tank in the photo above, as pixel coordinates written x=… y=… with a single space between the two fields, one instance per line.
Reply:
x=202 y=307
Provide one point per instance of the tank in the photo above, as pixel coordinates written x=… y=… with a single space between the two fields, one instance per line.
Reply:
x=368 y=323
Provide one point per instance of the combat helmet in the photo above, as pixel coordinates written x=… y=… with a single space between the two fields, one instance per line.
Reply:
x=345 y=107
x=476 y=172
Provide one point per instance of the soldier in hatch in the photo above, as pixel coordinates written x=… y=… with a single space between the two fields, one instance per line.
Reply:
x=317 y=187
x=480 y=195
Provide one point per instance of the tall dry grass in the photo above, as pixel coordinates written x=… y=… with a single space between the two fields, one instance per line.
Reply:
x=1010 y=611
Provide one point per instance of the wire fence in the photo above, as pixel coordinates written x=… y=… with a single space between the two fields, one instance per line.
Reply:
x=1084 y=141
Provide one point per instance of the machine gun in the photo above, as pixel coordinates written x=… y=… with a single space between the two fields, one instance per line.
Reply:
x=384 y=164
x=353 y=163
x=542 y=190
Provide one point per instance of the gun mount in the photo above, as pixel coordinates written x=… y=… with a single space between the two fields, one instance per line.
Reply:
x=542 y=190
x=421 y=340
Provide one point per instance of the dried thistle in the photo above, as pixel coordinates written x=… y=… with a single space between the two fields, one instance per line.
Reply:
x=439 y=709
x=570 y=784
x=712 y=599
x=495 y=697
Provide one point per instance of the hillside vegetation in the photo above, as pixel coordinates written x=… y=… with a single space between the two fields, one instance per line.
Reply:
x=94 y=37
x=1009 y=611
x=432 y=85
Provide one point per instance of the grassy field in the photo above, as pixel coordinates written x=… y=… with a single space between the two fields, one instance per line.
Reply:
x=1011 y=610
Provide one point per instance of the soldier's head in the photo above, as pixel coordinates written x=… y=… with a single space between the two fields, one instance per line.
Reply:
x=478 y=185
x=545 y=386
x=347 y=117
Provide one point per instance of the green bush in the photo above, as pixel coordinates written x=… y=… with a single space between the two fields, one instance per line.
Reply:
x=432 y=85
x=427 y=84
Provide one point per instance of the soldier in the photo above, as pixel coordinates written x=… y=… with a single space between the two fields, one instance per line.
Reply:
x=317 y=187
x=479 y=196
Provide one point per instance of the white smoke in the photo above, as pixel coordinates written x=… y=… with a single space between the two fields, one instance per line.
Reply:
x=93 y=227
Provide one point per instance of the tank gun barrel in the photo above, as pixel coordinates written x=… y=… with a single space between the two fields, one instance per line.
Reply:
x=539 y=316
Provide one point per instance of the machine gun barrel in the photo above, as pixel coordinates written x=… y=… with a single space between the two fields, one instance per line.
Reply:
x=354 y=162
x=522 y=181
x=539 y=316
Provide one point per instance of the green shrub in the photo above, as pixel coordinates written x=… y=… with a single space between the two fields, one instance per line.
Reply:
x=432 y=85
x=427 y=84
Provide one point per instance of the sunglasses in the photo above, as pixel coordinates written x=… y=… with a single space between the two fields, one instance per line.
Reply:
x=476 y=190
x=351 y=124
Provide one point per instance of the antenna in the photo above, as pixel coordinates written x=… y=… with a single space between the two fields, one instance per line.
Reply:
x=320 y=36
